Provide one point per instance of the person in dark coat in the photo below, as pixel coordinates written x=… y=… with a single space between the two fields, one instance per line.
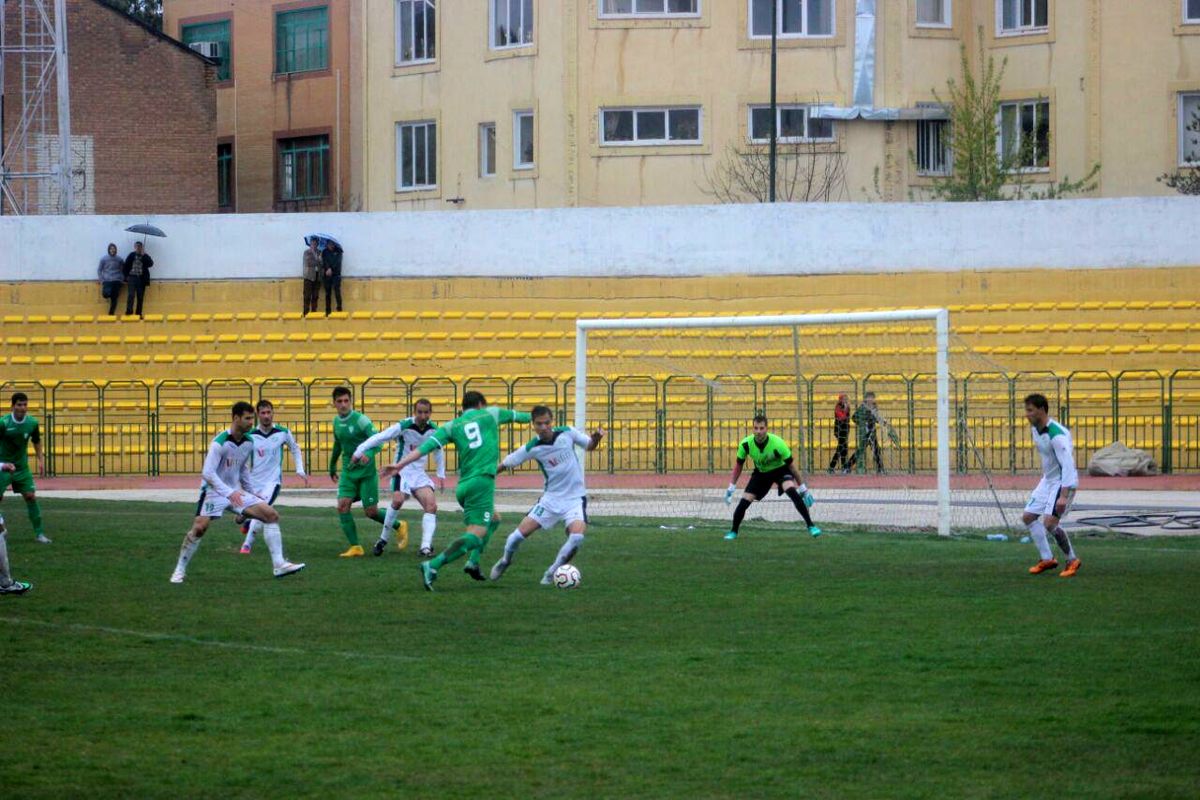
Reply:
x=332 y=261
x=841 y=430
x=137 y=277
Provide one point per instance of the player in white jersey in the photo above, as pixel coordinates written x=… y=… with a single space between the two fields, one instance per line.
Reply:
x=7 y=584
x=564 y=498
x=1052 y=498
x=227 y=485
x=266 y=471
x=413 y=480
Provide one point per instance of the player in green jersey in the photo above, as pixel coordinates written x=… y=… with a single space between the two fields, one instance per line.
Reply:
x=773 y=466
x=359 y=480
x=17 y=430
x=476 y=437
x=7 y=584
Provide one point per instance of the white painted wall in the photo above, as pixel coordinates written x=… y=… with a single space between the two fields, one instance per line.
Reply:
x=668 y=241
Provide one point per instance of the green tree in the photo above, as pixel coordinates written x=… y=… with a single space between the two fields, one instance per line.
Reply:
x=147 y=11
x=982 y=170
x=1186 y=181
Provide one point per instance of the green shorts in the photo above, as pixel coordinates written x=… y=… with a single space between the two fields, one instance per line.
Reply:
x=21 y=480
x=363 y=486
x=477 y=496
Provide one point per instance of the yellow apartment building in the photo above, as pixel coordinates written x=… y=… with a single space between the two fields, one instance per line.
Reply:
x=535 y=103
x=284 y=119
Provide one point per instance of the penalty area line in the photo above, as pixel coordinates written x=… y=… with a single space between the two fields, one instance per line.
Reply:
x=158 y=636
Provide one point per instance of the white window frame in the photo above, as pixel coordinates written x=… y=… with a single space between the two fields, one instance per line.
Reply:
x=635 y=14
x=492 y=24
x=484 y=159
x=431 y=5
x=1022 y=30
x=948 y=22
x=1182 y=121
x=418 y=123
x=1189 y=20
x=947 y=150
x=636 y=142
x=779 y=137
x=804 y=34
x=1000 y=144
x=519 y=115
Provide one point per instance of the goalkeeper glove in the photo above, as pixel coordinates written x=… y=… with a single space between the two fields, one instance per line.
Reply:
x=729 y=493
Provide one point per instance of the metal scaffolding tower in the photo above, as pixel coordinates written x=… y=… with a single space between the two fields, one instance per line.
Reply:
x=35 y=108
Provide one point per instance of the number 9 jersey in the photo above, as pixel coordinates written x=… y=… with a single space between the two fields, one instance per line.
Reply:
x=476 y=437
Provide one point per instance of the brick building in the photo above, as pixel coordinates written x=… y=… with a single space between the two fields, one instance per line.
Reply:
x=143 y=116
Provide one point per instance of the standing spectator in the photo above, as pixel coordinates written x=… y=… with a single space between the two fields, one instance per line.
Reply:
x=841 y=430
x=332 y=261
x=866 y=418
x=312 y=276
x=137 y=275
x=111 y=273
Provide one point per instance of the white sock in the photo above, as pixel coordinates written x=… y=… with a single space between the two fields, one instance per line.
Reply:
x=255 y=527
x=1038 y=531
x=274 y=538
x=512 y=543
x=803 y=488
x=389 y=520
x=5 y=575
x=428 y=527
x=567 y=551
x=186 y=552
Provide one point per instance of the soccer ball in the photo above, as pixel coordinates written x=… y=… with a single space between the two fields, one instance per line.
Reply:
x=566 y=577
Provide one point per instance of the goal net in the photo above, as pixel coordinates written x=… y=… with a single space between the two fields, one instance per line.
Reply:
x=910 y=449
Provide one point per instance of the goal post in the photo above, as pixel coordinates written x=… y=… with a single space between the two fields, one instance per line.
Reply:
x=935 y=343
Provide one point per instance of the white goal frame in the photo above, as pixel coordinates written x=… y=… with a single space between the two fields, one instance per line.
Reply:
x=940 y=317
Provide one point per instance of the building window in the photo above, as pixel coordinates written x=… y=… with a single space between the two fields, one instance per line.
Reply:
x=302 y=40
x=796 y=18
x=1025 y=134
x=415 y=29
x=225 y=175
x=1191 y=11
x=1189 y=136
x=487 y=149
x=523 y=140
x=212 y=32
x=642 y=126
x=933 y=147
x=304 y=168
x=1022 y=16
x=650 y=8
x=416 y=156
x=511 y=23
x=793 y=124
x=933 y=13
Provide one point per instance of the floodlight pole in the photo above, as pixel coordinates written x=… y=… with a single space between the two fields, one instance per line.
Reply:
x=774 y=106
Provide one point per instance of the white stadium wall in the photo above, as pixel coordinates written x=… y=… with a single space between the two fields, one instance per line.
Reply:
x=668 y=241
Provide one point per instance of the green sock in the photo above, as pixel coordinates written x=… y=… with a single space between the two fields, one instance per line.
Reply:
x=468 y=541
x=35 y=516
x=477 y=553
x=348 y=527
x=375 y=515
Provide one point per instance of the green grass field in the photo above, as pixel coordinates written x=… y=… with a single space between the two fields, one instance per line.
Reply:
x=855 y=665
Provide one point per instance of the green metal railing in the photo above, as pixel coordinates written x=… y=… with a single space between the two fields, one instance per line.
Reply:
x=681 y=423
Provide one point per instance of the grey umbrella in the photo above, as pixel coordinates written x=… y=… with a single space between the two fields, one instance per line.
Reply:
x=149 y=230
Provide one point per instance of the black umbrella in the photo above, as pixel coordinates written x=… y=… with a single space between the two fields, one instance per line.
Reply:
x=149 y=230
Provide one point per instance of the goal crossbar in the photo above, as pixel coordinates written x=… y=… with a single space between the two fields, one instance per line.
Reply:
x=939 y=316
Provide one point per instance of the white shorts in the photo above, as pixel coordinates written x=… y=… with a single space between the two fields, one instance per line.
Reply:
x=212 y=505
x=269 y=492
x=408 y=484
x=1044 y=498
x=548 y=513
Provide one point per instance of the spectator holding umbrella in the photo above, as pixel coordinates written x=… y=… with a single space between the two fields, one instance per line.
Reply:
x=332 y=262
x=137 y=277
x=111 y=274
